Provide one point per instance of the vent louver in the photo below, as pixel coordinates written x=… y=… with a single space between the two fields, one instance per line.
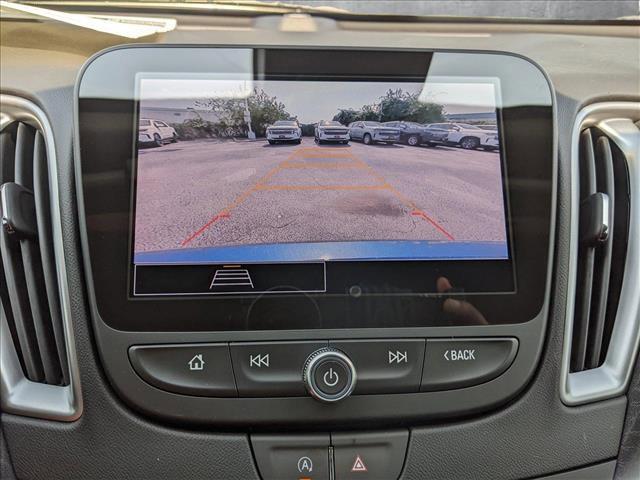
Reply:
x=602 y=331
x=603 y=235
x=30 y=294
x=37 y=378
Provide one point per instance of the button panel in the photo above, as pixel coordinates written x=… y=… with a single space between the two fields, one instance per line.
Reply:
x=197 y=369
x=271 y=369
x=458 y=363
x=277 y=369
x=385 y=366
x=339 y=456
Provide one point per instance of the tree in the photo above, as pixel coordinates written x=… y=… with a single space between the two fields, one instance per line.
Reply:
x=264 y=110
x=229 y=113
x=370 y=112
x=346 y=116
x=394 y=105
x=400 y=105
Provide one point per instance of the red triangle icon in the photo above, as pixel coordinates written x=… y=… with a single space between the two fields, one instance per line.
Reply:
x=358 y=465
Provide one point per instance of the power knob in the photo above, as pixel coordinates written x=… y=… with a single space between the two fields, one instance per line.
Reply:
x=329 y=375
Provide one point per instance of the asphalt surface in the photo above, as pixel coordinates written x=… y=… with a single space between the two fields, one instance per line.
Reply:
x=204 y=193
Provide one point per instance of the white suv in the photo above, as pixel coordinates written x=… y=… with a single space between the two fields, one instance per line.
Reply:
x=464 y=135
x=155 y=132
x=491 y=142
x=331 y=131
x=284 y=131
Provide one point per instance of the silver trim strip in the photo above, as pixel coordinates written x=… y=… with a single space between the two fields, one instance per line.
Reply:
x=605 y=221
x=616 y=119
x=19 y=395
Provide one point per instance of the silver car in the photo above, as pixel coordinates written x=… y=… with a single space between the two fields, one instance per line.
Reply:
x=373 y=132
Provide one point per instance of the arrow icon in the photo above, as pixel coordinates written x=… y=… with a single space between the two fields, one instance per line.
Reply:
x=259 y=360
x=397 y=357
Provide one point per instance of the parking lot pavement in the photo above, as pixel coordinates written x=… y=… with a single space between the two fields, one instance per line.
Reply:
x=205 y=193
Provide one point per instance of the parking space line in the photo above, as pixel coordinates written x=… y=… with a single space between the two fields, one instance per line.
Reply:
x=267 y=176
x=321 y=187
x=320 y=165
x=313 y=152
x=226 y=211
x=415 y=211
x=325 y=154
x=421 y=214
x=204 y=227
x=292 y=162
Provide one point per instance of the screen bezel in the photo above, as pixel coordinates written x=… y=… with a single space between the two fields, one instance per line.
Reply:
x=123 y=313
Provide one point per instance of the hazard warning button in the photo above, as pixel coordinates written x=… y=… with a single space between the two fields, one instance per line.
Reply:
x=369 y=456
x=358 y=465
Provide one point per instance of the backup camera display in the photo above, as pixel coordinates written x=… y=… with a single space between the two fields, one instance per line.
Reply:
x=243 y=172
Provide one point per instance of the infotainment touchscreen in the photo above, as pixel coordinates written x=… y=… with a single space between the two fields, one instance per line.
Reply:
x=245 y=185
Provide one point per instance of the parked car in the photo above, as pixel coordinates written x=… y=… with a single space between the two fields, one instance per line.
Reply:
x=155 y=132
x=284 y=131
x=373 y=132
x=464 y=135
x=490 y=142
x=434 y=134
x=412 y=133
x=331 y=131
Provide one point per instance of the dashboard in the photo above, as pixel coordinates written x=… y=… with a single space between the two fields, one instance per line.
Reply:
x=289 y=246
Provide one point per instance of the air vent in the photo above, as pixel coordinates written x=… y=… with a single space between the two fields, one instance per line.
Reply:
x=602 y=246
x=603 y=321
x=38 y=378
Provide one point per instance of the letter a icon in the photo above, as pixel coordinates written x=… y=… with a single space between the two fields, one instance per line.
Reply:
x=358 y=465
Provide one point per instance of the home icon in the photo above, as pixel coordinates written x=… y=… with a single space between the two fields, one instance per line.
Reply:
x=196 y=363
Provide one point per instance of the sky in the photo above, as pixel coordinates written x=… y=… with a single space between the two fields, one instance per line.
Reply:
x=311 y=102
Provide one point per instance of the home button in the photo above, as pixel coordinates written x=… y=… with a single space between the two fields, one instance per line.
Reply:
x=190 y=369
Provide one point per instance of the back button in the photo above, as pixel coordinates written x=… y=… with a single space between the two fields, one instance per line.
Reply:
x=463 y=362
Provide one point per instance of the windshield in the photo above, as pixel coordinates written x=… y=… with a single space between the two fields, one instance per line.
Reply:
x=330 y=123
x=534 y=10
x=371 y=124
x=538 y=10
x=145 y=123
x=284 y=123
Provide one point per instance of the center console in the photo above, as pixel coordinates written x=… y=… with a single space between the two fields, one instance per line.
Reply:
x=322 y=239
